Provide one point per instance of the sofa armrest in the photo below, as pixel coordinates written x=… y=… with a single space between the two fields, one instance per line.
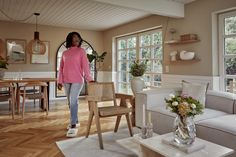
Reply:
x=222 y=101
x=151 y=98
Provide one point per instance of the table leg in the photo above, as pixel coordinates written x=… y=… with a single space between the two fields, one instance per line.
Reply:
x=132 y=102
x=42 y=102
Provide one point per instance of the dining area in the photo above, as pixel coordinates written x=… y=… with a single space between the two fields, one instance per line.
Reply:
x=15 y=92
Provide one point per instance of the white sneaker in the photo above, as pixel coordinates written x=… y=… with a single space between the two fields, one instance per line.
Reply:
x=69 y=126
x=72 y=132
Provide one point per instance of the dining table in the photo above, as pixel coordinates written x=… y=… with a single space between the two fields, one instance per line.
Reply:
x=17 y=81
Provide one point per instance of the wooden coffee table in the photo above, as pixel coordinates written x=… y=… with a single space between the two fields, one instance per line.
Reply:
x=153 y=147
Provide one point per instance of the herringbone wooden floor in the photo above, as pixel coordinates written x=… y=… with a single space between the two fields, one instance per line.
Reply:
x=35 y=136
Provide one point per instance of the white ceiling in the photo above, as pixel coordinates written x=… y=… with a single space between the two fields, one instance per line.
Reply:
x=83 y=14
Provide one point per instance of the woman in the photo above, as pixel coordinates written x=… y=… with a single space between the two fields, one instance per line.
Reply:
x=74 y=68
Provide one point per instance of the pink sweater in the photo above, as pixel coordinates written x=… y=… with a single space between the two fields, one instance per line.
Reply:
x=74 y=66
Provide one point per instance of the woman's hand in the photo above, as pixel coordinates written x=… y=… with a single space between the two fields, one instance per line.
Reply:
x=59 y=86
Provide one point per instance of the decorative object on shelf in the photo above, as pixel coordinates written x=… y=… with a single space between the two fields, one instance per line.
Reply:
x=16 y=50
x=186 y=37
x=172 y=31
x=43 y=58
x=173 y=55
x=137 y=70
x=185 y=108
x=184 y=55
x=3 y=66
x=98 y=61
x=36 y=46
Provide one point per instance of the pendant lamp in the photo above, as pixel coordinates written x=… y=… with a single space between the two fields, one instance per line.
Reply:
x=36 y=46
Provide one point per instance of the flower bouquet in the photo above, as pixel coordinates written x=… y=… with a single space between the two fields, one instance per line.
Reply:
x=186 y=108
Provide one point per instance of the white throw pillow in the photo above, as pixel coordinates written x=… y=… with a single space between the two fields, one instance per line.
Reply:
x=195 y=90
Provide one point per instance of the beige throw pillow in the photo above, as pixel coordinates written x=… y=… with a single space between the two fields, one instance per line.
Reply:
x=195 y=90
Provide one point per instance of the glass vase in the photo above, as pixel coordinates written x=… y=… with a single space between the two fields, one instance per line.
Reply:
x=184 y=130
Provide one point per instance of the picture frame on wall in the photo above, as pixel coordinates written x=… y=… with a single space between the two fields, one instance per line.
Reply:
x=39 y=58
x=16 y=50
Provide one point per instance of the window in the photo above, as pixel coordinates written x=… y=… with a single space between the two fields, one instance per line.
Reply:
x=142 y=46
x=227 y=45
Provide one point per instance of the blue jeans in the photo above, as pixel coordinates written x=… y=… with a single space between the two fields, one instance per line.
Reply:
x=72 y=92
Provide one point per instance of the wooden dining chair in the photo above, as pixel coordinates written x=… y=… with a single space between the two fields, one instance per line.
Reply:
x=7 y=93
x=101 y=92
x=41 y=94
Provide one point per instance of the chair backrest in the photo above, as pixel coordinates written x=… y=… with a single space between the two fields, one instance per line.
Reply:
x=28 y=85
x=103 y=90
x=6 y=91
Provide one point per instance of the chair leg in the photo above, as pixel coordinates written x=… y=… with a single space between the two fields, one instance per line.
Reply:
x=117 y=123
x=46 y=99
x=18 y=100
x=129 y=124
x=90 y=119
x=11 y=103
x=23 y=106
x=98 y=127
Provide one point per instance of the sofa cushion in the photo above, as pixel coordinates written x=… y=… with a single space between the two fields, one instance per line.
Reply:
x=224 y=124
x=221 y=101
x=195 y=90
x=220 y=130
x=207 y=113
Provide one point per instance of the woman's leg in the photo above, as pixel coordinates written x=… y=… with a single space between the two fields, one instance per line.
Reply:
x=75 y=90
x=67 y=92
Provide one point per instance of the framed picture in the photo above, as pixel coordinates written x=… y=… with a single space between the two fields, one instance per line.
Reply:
x=16 y=50
x=41 y=59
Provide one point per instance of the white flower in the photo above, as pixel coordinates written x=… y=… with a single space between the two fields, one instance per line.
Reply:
x=175 y=103
x=193 y=106
x=171 y=96
x=185 y=103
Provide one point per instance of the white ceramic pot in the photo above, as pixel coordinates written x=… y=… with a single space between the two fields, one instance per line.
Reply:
x=184 y=55
x=137 y=84
x=2 y=73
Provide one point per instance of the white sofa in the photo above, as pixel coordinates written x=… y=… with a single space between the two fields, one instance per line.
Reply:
x=217 y=124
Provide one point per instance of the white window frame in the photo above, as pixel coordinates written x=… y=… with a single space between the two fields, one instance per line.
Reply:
x=222 y=55
x=138 y=54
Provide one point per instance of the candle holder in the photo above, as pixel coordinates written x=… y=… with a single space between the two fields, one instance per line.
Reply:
x=144 y=132
x=149 y=130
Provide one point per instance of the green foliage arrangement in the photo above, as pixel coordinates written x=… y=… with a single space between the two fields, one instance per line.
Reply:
x=3 y=62
x=138 y=68
x=184 y=106
x=95 y=56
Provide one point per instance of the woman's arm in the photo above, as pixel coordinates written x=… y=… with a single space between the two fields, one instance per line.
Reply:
x=85 y=67
x=60 y=78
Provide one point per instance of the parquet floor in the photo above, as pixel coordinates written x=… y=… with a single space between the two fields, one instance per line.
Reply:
x=35 y=136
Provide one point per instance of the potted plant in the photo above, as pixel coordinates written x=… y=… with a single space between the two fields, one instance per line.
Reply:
x=137 y=70
x=97 y=59
x=3 y=66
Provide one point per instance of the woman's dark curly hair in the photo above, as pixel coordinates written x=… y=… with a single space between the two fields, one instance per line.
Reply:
x=70 y=37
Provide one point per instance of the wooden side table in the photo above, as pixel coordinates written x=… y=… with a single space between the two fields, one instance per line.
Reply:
x=123 y=102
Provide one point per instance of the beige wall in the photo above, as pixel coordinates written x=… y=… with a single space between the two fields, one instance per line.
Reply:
x=55 y=35
x=197 y=20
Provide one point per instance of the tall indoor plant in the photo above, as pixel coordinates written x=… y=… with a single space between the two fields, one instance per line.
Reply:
x=137 y=70
x=3 y=66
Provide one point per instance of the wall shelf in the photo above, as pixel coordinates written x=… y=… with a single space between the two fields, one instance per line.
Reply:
x=181 y=42
x=185 y=61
